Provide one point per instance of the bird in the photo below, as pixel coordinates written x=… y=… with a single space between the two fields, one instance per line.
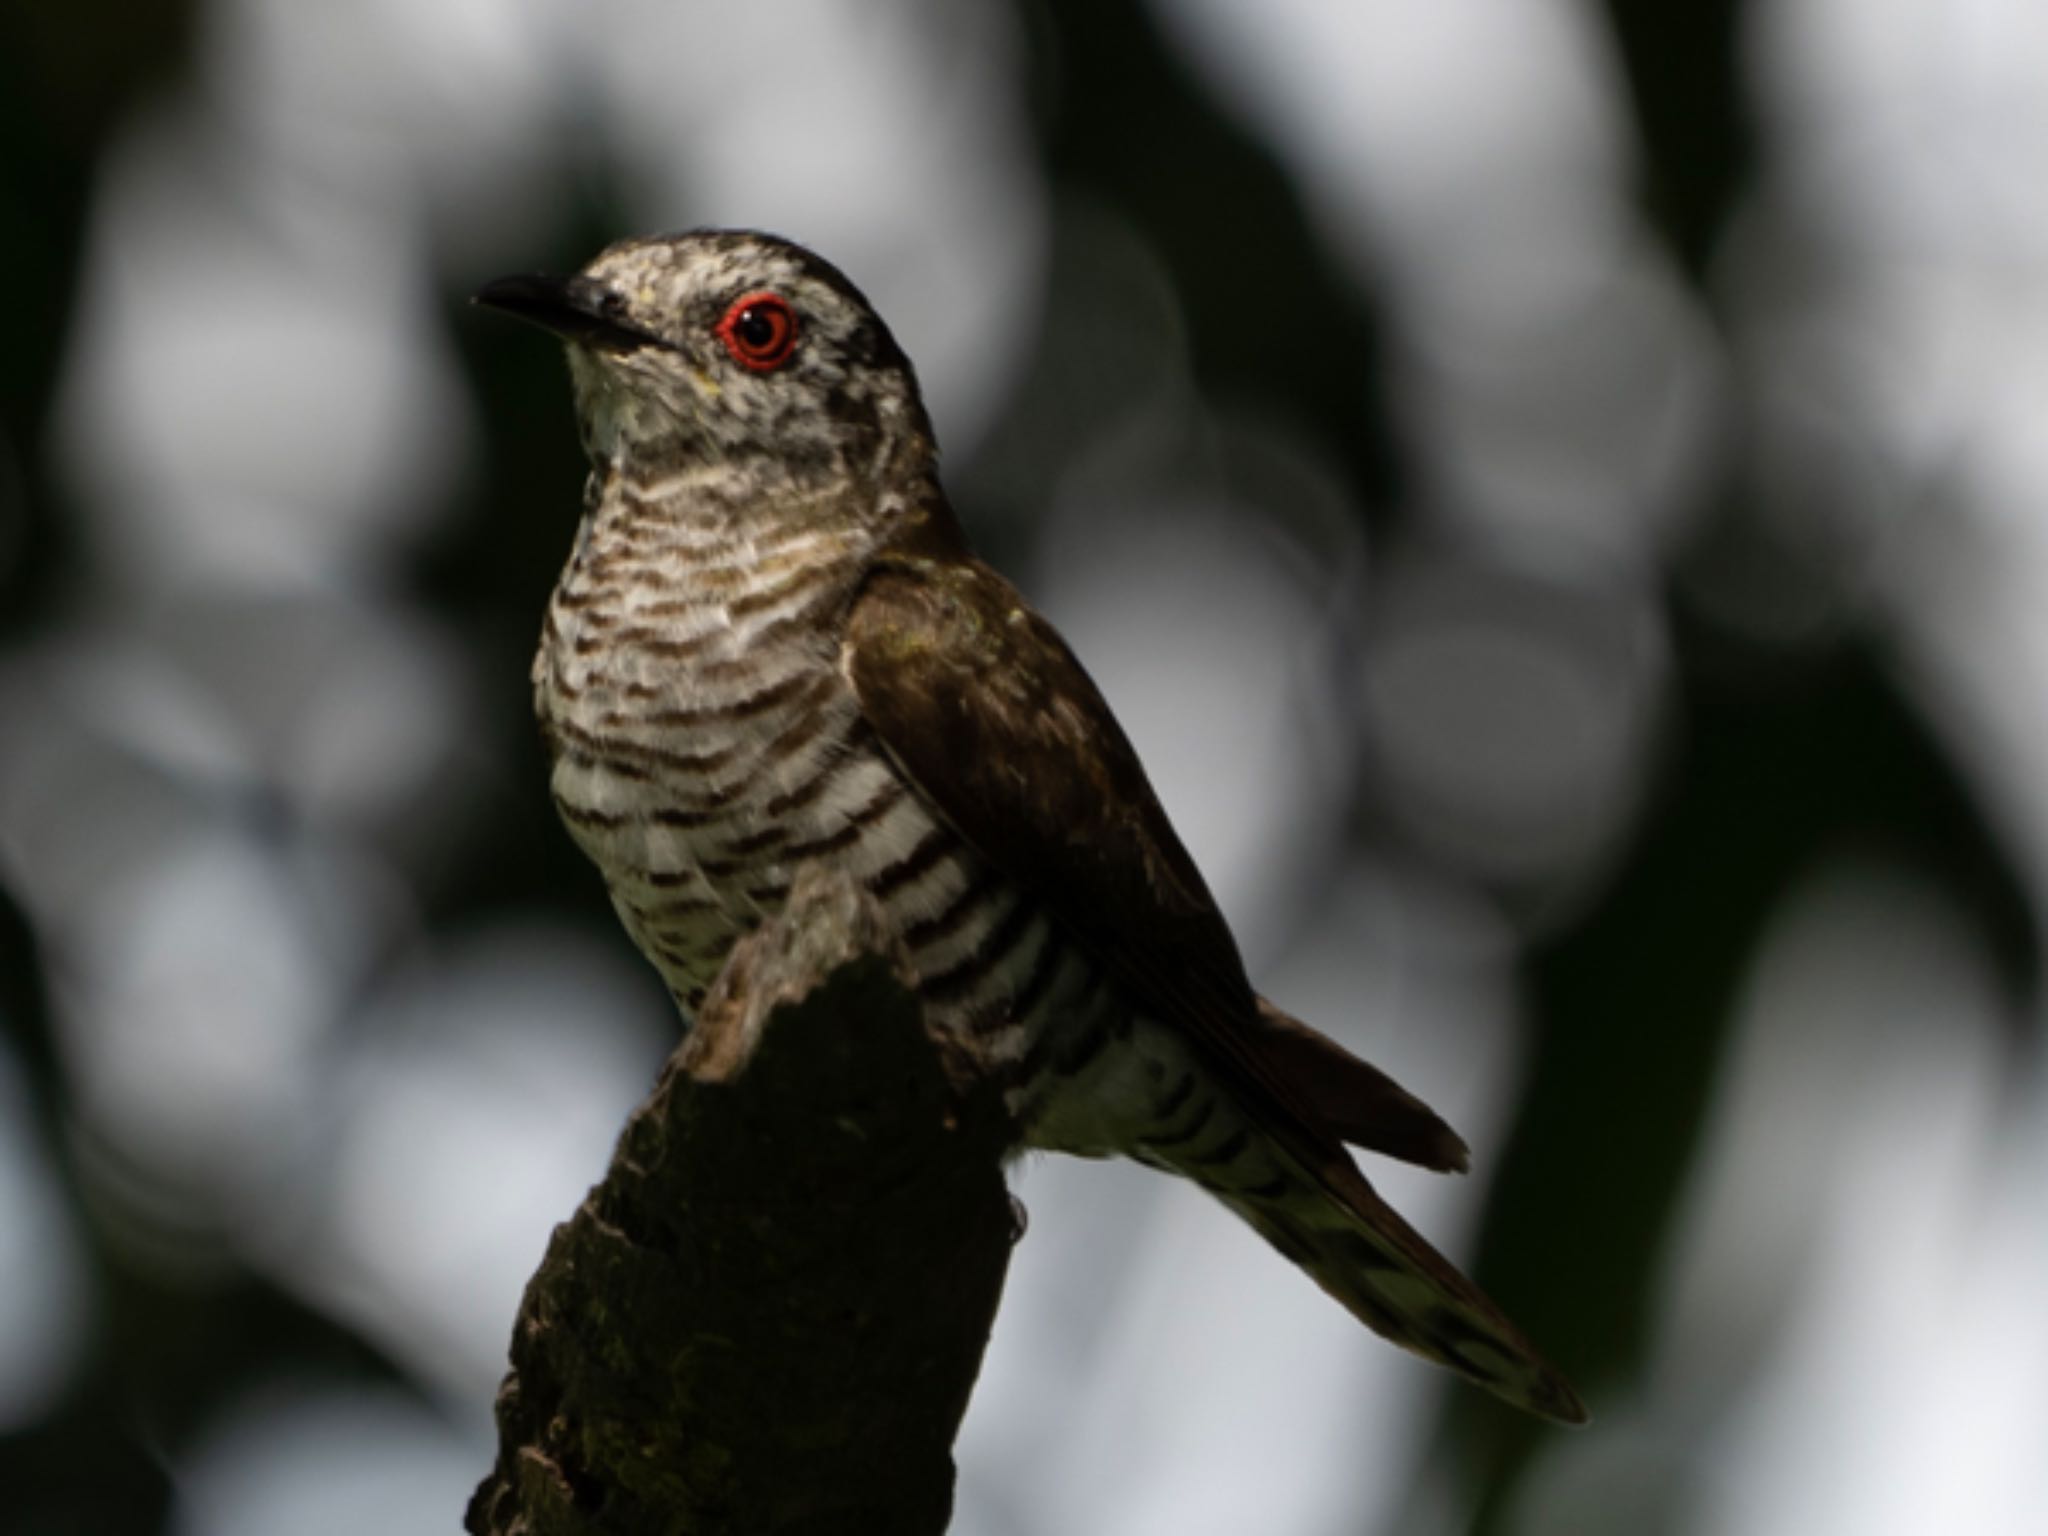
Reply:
x=772 y=645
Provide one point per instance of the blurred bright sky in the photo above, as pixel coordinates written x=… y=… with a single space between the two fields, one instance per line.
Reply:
x=262 y=414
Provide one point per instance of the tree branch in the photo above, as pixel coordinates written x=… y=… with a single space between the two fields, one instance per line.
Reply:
x=769 y=1316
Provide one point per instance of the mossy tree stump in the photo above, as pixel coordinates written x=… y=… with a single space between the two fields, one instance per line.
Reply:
x=769 y=1315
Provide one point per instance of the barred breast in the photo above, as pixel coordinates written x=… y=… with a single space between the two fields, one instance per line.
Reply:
x=706 y=744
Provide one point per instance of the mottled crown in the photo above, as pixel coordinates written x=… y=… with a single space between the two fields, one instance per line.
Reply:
x=726 y=344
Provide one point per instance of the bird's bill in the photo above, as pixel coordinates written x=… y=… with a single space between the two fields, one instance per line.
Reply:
x=577 y=309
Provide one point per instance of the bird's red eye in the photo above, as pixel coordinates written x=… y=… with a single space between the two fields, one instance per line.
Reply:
x=759 y=331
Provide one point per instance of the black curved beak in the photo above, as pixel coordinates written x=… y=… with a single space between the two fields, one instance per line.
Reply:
x=577 y=309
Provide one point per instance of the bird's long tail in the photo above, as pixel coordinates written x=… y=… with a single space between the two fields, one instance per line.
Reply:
x=1283 y=1169
x=1368 y=1258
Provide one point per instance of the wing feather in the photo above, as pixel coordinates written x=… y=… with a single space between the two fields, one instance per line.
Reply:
x=984 y=708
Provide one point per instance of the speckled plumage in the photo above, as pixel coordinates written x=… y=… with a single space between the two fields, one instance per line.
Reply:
x=771 y=645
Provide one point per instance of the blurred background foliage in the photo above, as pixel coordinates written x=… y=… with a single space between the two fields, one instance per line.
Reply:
x=1555 y=490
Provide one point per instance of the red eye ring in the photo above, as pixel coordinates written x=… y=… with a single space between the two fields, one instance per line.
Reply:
x=759 y=330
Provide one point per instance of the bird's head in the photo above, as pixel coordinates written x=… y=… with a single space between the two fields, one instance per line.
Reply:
x=727 y=346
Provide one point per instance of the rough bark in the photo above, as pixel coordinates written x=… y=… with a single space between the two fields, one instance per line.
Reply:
x=769 y=1315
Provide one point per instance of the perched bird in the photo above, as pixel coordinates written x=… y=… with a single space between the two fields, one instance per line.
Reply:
x=771 y=644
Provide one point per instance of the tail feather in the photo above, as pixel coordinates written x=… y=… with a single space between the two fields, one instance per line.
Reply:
x=1266 y=1138
x=1383 y=1272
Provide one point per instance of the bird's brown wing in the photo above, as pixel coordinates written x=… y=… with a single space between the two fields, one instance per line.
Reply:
x=1354 y=1100
x=982 y=705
